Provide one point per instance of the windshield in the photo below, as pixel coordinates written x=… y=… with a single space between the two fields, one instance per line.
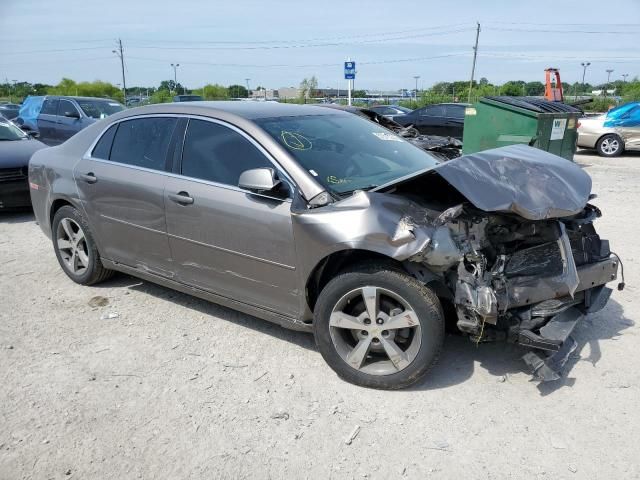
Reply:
x=8 y=131
x=403 y=109
x=346 y=152
x=99 y=108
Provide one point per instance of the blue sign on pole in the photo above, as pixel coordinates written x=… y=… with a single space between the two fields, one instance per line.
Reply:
x=349 y=70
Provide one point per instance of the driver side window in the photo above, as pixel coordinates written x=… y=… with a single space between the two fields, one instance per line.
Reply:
x=218 y=154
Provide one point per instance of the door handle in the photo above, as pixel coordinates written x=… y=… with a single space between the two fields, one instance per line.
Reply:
x=182 y=198
x=89 y=177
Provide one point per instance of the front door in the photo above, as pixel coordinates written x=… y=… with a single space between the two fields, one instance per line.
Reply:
x=224 y=239
x=431 y=120
x=121 y=186
x=69 y=121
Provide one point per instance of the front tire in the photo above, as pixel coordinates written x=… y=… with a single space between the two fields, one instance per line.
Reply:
x=610 y=145
x=378 y=327
x=75 y=248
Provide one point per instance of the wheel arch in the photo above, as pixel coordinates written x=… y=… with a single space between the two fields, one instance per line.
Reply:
x=614 y=134
x=330 y=265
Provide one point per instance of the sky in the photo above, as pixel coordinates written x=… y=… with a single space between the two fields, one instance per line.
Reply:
x=278 y=43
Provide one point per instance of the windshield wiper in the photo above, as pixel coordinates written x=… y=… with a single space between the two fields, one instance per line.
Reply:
x=350 y=192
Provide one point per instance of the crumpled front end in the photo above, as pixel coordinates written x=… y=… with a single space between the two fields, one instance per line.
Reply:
x=506 y=236
x=530 y=282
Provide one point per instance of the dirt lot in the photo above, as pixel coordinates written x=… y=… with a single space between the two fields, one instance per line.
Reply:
x=174 y=387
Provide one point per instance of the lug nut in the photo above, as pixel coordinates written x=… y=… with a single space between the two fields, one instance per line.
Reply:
x=385 y=333
x=367 y=321
x=364 y=333
x=379 y=321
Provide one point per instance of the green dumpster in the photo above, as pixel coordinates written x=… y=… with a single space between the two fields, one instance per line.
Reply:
x=499 y=121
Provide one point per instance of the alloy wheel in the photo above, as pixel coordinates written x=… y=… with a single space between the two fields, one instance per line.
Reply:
x=375 y=331
x=72 y=245
x=610 y=145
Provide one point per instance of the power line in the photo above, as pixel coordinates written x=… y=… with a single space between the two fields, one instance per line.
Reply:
x=307 y=45
x=319 y=39
x=316 y=65
x=602 y=32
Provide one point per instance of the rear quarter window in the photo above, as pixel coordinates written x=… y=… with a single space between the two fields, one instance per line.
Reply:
x=103 y=147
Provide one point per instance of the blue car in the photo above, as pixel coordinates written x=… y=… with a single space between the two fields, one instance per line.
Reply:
x=58 y=118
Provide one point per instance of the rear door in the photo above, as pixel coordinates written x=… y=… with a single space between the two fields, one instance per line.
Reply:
x=431 y=120
x=121 y=185
x=454 y=121
x=69 y=121
x=48 y=121
x=224 y=239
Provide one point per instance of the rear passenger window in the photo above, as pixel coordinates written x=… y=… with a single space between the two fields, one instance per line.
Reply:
x=143 y=142
x=455 y=111
x=435 y=111
x=49 y=107
x=103 y=147
x=216 y=153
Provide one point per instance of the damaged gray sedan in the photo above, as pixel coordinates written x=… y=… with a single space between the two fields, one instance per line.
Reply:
x=325 y=222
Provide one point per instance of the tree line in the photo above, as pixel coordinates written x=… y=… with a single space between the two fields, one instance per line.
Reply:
x=439 y=92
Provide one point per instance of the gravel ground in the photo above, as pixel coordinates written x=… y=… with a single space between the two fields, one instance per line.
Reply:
x=169 y=386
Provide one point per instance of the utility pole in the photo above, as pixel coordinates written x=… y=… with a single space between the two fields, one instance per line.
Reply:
x=584 y=71
x=415 y=92
x=175 y=76
x=120 y=54
x=609 y=72
x=624 y=77
x=247 y=80
x=473 y=67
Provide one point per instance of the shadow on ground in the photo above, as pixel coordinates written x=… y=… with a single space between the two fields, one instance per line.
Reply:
x=23 y=215
x=459 y=357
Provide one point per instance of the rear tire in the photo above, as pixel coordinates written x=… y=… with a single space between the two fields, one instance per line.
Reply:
x=610 y=145
x=75 y=248
x=392 y=351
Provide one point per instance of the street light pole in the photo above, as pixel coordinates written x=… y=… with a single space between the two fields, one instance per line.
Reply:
x=415 y=93
x=175 y=75
x=584 y=71
x=609 y=72
x=247 y=80
x=624 y=77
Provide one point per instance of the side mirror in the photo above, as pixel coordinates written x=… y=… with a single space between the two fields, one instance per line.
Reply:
x=33 y=133
x=259 y=180
x=73 y=114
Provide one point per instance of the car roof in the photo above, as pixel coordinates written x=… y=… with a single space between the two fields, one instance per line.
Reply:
x=73 y=97
x=245 y=109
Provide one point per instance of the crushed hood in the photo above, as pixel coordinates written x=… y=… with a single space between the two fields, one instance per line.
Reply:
x=534 y=184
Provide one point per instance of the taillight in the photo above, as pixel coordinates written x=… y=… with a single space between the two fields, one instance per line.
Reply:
x=578 y=125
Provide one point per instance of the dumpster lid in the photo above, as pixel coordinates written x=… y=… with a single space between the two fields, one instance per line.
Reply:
x=535 y=104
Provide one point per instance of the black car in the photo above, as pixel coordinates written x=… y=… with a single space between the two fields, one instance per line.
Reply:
x=444 y=147
x=444 y=119
x=16 y=148
x=9 y=110
x=390 y=111
x=187 y=98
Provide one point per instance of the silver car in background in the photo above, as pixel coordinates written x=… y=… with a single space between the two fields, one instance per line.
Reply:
x=326 y=222
x=613 y=132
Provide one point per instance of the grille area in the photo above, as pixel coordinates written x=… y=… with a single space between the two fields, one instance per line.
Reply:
x=13 y=174
x=544 y=259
